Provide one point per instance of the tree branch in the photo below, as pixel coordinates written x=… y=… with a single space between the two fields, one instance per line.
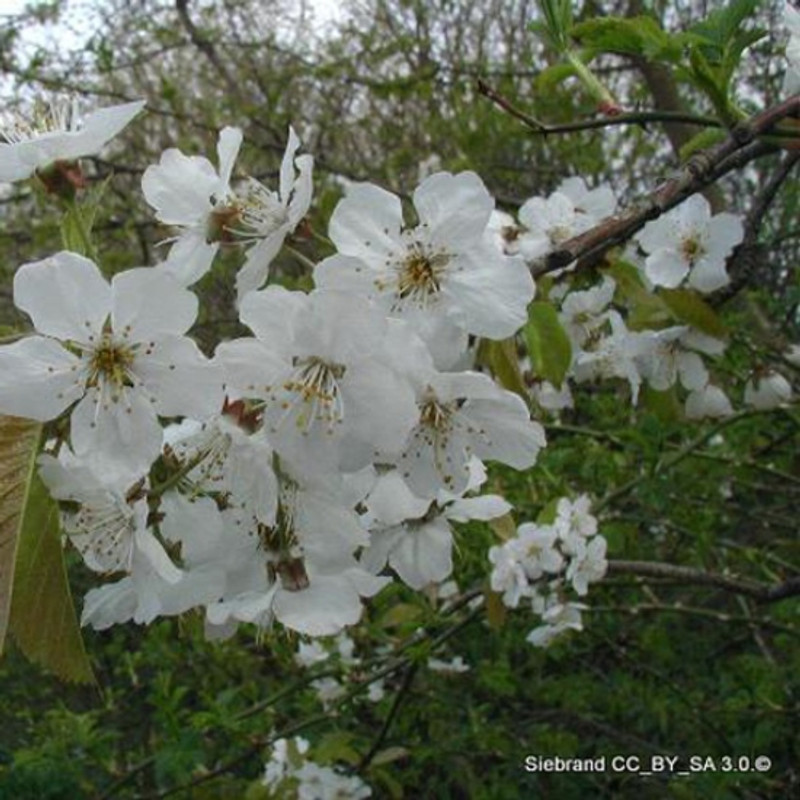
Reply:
x=761 y=592
x=632 y=118
x=704 y=168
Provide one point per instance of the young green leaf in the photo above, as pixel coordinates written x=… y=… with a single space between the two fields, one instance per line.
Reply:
x=548 y=344
x=687 y=306
x=19 y=440
x=43 y=621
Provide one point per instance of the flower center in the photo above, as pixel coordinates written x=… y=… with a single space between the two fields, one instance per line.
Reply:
x=262 y=212
x=315 y=386
x=219 y=226
x=110 y=363
x=559 y=233
x=56 y=116
x=419 y=275
x=436 y=416
x=692 y=249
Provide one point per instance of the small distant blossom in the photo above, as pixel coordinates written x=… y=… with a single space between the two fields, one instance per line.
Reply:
x=582 y=311
x=688 y=243
x=55 y=136
x=610 y=352
x=290 y=772
x=665 y=359
x=455 y=665
x=543 y=560
x=768 y=390
x=558 y=619
x=710 y=401
x=589 y=566
x=570 y=210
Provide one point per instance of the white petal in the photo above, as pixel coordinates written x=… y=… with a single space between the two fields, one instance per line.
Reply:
x=38 y=379
x=490 y=296
x=180 y=378
x=708 y=275
x=99 y=127
x=485 y=507
x=366 y=223
x=271 y=314
x=302 y=191
x=149 y=303
x=424 y=554
x=230 y=140
x=455 y=209
x=693 y=372
x=156 y=556
x=327 y=605
x=12 y=166
x=287 y=166
x=190 y=257
x=666 y=268
x=116 y=438
x=255 y=269
x=180 y=187
x=65 y=296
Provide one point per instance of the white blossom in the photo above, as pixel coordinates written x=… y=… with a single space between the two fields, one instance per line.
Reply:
x=688 y=243
x=123 y=361
x=768 y=390
x=56 y=132
x=445 y=268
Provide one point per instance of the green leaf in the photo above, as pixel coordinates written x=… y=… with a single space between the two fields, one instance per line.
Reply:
x=43 y=621
x=548 y=79
x=504 y=527
x=496 y=611
x=19 y=440
x=646 y=310
x=639 y=36
x=688 y=307
x=502 y=359
x=389 y=755
x=79 y=219
x=548 y=344
x=700 y=141
x=665 y=405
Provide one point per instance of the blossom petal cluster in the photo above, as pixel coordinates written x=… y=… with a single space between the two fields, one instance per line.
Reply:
x=56 y=132
x=288 y=476
x=543 y=562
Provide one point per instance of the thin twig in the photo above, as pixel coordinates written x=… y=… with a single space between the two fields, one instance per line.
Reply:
x=761 y=592
x=632 y=118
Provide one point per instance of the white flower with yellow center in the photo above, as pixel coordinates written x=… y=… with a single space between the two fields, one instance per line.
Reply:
x=54 y=133
x=446 y=268
x=123 y=360
x=324 y=366
x=461 y=415
x=189 y=193
x=688 y=243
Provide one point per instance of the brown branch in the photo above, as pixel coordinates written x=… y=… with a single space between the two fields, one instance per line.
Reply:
x=704 y=168
x=761 y=592
x=632 y=118
x=750 y=253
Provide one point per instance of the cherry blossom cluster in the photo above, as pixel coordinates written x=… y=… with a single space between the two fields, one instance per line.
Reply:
x=297 y=469
x=687 y=247
x=278 y=479
x=291 y=773
x=543 y=562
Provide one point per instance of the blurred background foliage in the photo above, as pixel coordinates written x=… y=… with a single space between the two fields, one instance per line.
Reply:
x=383 y=94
